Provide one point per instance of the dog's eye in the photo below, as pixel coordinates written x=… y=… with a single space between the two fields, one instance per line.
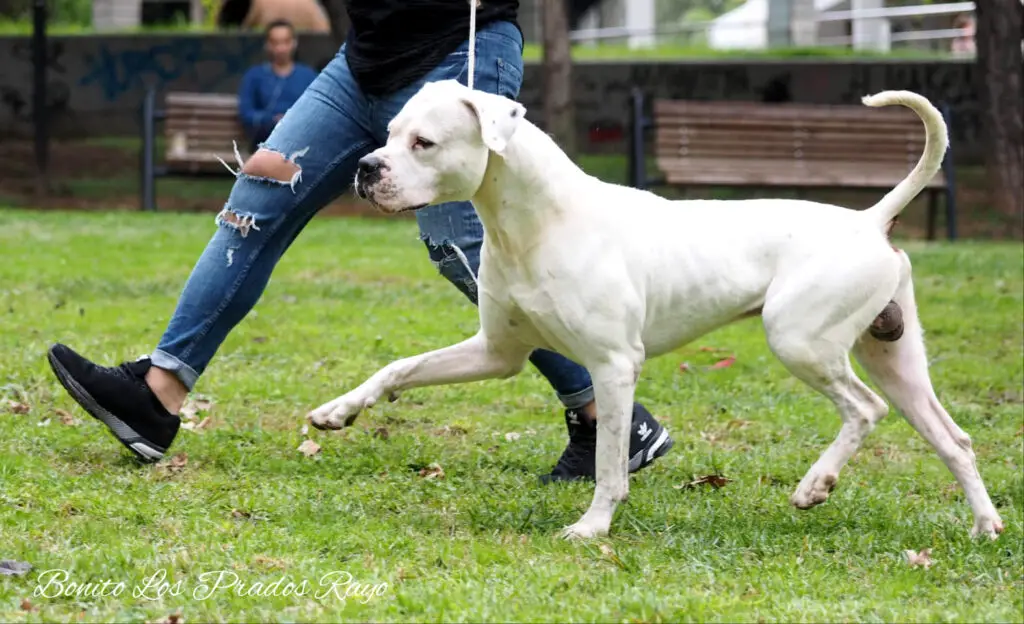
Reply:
x=423 y=143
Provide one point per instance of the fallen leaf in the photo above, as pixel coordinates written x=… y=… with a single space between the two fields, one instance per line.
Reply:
x=511 y=436
x=66 y=418
x=178 y=462
x=725 y=363
x=715 y=481
x=10 y=567
x=433 y=471
x=609 y=553
x=922 y=558
x=270 y=562
x=193 y=405
x=710 y=349
x=174 y=618
x=204 y=424
x=309 y=448
x=450 y=430
x=26 y=605
x=382 y=433
x=685 y=367
x=17 y=407
x=238 y=513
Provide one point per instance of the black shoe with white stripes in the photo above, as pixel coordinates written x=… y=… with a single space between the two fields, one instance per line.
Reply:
x=648 y=440
x=119 y=398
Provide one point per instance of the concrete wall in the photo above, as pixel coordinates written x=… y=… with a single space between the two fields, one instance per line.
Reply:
x=96 y=84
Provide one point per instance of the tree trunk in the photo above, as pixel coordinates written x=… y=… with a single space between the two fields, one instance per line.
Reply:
x=339 y=20
x=559 y=117
x=1000 y=81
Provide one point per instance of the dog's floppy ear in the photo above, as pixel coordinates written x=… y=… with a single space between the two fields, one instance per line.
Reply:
x=499 y=117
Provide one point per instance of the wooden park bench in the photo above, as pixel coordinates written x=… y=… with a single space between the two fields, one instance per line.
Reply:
x=198 y=128
x=793 y=146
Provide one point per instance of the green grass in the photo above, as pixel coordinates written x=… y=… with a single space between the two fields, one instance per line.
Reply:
x=479 y=544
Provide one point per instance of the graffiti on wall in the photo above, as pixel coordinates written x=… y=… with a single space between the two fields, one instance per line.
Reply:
x=201 y=62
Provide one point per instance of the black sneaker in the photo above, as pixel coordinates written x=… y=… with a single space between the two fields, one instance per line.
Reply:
x=648 y=440
x=119 y=398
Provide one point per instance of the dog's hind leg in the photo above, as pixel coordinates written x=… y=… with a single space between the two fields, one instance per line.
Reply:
x=900 y=368
x=811 y=329
x=474 y=359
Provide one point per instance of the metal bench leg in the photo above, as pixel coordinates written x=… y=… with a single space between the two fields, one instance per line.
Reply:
x=948 y=170
x=637 y=164
x=933 y=209
x=147 y=186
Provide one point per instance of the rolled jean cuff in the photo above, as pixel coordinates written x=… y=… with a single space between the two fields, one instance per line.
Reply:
x=185 y=373
x=577 y=400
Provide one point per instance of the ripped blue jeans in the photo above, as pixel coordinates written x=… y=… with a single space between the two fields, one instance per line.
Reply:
x=323 y=136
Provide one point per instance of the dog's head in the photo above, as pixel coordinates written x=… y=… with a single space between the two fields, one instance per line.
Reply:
x=438 y=147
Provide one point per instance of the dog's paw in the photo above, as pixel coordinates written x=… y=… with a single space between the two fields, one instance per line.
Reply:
x=988 y=526
x=583 y=530
x=339 y=413
x=813 y=490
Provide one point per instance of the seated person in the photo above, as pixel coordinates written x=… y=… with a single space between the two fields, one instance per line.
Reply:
x=270 y=89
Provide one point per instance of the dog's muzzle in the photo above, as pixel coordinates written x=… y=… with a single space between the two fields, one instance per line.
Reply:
x=368 y=173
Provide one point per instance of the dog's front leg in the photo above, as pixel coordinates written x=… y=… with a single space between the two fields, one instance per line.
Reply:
x=474 y=359
x=614 y=386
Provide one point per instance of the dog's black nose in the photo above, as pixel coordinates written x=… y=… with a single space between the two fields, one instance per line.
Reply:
x=370 y=165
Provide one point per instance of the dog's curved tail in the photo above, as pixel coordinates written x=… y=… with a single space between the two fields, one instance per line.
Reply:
x=936 y=142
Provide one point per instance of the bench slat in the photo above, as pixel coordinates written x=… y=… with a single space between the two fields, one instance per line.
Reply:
x=790 y=145
x=749 y=172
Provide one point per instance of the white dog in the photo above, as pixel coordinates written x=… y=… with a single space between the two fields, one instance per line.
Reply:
x=610 y=276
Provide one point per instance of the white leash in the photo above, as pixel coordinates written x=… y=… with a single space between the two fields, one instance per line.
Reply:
x=469 y=82
x=472 y=41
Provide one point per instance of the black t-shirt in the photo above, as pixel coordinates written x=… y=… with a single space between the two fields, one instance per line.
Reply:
x=393 y=43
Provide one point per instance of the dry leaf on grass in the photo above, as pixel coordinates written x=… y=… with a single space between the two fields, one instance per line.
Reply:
x=26 y=605
x=724 y=363
x=178 y=462
x=511 y=436
x=609 y=554
x=10 y=567
x=685 y=367
x=174 y=618
x=270 y=562
x=309 y=448
x=193 y=406
x=17 y=407
x=433 y=471
x=382 y=433
x=922 y=558
x=66 y=418
x=238 y=513
x=450 y=430
x=715 y=481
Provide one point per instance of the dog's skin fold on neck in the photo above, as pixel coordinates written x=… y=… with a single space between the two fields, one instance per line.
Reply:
x=611 y=276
